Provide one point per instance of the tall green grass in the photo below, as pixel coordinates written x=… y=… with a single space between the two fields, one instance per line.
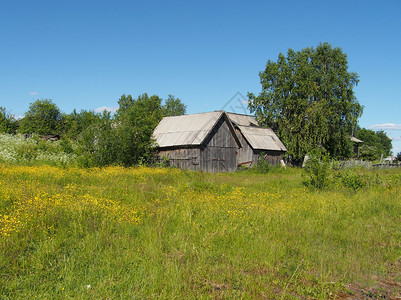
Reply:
x=195 y=235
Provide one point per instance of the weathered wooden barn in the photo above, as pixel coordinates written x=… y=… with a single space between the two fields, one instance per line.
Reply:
x=256 y=141
x=205 y=142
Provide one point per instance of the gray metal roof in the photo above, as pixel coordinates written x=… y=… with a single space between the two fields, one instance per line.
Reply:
x=354 y=139
x=243 y=120
x=259 y=138
x=187 y=130
x=262 y=138
x=192 y=130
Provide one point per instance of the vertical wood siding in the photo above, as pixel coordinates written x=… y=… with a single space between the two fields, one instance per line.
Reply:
x=219 y=154
x=245 y=154
x=272 y=157
x=184 y=158
x=248 y=156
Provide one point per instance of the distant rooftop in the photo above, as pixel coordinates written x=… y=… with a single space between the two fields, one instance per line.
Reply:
x=354 y=139
x=242 y=120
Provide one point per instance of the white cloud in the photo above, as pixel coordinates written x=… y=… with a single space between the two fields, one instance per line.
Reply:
x=386 y=126
x=105 y=108
x=33 y=93
x=398 y=138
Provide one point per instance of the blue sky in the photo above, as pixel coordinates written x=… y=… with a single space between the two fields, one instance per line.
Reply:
x=86 y=54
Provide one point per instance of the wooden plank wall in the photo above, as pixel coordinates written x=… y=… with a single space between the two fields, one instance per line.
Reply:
x=184 y=158
x=246 y=153
x=219 y=155
x=272 y=157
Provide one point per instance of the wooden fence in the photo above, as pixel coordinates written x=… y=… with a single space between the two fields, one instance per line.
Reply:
x=352 y=163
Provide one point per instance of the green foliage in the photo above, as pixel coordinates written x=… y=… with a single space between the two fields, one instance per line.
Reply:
x=393 y=180
x=318 y=169
x=75 y=123
x=374 y=144
x=352 y=179
x=136 y=120
x=127 y=139
x=384 y=143
x=102 y=140
x=369 y=153
x=368 y=136
x=308 y=97
x=173 y=107
x=35 y=151
x=164 y=162
x=66 y=145
x=398 y=157
x=7 y=122
x=262 y=166
x=43 y=117
x=98 y=144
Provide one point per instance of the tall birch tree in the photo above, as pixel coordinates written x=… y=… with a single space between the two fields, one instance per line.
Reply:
x=307 y=97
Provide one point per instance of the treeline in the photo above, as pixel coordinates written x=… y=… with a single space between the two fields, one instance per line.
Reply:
x=99 y=139
x=375 y=144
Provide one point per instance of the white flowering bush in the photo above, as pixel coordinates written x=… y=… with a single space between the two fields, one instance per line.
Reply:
x=19 y=150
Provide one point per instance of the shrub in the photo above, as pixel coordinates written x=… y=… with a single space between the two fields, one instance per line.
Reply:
x=262 y=166
x=352 y=180
x=66 y=146
x=16 y=150
x=26 y=151
x=164 y=162
x=318 y=169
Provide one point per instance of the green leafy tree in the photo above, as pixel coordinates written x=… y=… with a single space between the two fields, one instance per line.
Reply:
x=7 y=122
x=126 y=139
x=136 y=119
x=75 y=123
x=384 y=143
x=398 y=157
x=369 y=153
x=307 y=97
x=124 y=103
x=173 y=107
x=374 y=144
x=98 y=144
x=42 y=117
x=368 y=136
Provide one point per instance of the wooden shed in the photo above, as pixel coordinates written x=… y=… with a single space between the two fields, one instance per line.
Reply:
x=356 y=142
x=204 y=142
x=255 y=141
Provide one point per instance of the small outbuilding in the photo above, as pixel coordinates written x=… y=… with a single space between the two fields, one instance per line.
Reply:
x=201 y=142
x=256 y=141
x=356 y=143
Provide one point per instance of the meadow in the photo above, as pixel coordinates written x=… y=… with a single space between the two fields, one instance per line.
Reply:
x=142 y=233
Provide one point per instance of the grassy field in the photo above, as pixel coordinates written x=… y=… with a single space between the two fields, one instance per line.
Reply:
x=136 y=233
